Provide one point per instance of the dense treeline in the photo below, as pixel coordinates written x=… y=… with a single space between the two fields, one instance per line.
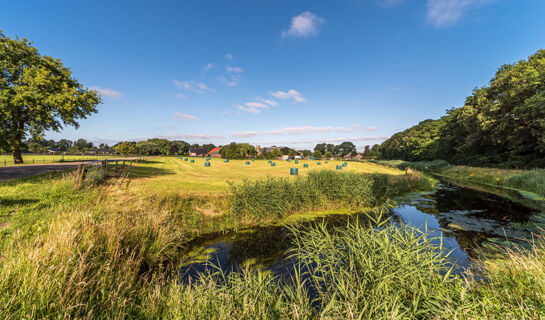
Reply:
x=499 y=124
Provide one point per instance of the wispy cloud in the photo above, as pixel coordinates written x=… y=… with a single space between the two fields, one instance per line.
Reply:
x=228 y=56
x=180 y=96
x=182 y=116
x=200 y=136
x=360 y=126
x=290 y=94
x=234 y=69
x=207 y=67
x=231 y=81
x=244 y=134
x=305 y=25
x=110 y=93
x=195 y=86
x=307 y=129
x=443 y=13
x=267 y=101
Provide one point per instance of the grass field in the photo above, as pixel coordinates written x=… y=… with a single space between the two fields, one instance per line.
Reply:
x=174 y=174
x=113 y=250
x=44 y=158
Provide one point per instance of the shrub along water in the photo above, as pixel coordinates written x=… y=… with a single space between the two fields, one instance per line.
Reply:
x=324 y=189
x=525 y=180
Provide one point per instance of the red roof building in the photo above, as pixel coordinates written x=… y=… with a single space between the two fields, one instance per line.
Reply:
x=215 y=153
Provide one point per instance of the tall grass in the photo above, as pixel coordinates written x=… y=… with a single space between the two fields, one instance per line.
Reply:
x=423 y=166
x=275 y=197
x=374 y=270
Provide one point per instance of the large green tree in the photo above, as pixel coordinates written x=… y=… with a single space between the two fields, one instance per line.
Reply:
x=37 y=93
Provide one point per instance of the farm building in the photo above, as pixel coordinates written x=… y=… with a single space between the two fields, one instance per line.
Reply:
x=197 y=152
x=215 y=153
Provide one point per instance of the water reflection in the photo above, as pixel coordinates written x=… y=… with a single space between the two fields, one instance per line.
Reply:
x=467 y=219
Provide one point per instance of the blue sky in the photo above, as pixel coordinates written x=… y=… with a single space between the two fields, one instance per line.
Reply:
x=277 y=72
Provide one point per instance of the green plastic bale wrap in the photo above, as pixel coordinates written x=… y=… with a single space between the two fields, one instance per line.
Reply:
x=339 y=167
x=345 y=164
x=185 y=159
x=305 y=165
x=247 y=163
x=326 y=162
x=319 y=163
x=192 y=161
x=294 y=171
x=207 y=164
x=296 y=161
x=273 y=164
x=226 y=160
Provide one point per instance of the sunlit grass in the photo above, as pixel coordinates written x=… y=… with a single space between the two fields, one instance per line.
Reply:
x=42 y=159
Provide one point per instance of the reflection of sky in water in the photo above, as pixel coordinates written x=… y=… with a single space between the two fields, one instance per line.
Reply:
x=416 y=218
x=464 y=217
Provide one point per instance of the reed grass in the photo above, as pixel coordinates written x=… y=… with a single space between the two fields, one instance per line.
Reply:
x=319 y=190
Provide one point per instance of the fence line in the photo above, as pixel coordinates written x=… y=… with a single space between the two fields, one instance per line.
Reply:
x=94 y=171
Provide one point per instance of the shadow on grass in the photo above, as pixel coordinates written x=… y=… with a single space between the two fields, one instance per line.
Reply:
x=13 y=202
x=148 y=172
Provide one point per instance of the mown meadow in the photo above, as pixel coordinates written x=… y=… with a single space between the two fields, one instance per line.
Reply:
x=113 y=250
x=45 y=158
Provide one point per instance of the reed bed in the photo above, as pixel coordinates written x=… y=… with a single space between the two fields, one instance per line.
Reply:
x=274 y=198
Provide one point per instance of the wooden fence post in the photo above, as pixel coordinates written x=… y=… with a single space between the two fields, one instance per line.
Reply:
x=78 y=177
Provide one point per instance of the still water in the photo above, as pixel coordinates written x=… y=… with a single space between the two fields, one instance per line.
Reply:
x=469 y=220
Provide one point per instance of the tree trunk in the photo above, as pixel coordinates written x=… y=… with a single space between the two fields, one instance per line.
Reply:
x=16 y=151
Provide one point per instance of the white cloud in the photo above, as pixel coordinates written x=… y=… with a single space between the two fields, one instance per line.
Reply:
x=256 y=105
x=207 y=67
x=180 y=96
x=232 y=81
x=182 y=116
x=269 y=102
x=361 y=127
x=300 y=130
x=250 y=109
x=111 y=93
x=290 y=94
x=244 y=134
x=442 y=13
x=303 y=26
x=228 y=56
x=234 y=69
x=195 y=86
x=201 y=136
x=341 y=129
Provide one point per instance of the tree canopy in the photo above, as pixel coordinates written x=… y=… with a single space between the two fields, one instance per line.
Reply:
x=502 y=123
x=37 y=93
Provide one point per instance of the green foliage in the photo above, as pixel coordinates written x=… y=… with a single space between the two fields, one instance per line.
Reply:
x=37 y=93
x=423 y=166
x=237 y=151
x=125 y=148
x=501 y=123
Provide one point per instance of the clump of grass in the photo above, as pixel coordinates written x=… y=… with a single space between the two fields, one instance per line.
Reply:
x=510 y=287
x=369 y=269
x=423 y=166
x=275 y=197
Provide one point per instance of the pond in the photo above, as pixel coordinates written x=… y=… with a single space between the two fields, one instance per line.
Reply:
x=470 y=220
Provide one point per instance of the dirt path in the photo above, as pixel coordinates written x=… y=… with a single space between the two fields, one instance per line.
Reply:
x=21 y=171
x=14 y=172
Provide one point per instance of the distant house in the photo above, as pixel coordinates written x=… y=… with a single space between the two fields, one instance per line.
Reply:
x=53 y=151
x=214 y=153
x=197 y=152
x=348 y=157
x=359 y=156
x=104 y=151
